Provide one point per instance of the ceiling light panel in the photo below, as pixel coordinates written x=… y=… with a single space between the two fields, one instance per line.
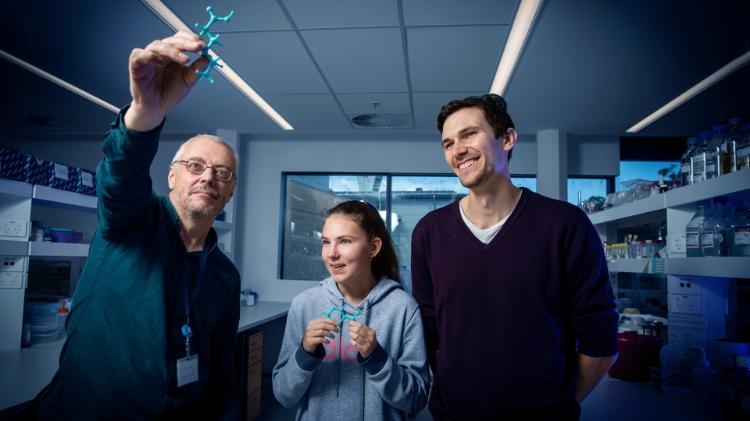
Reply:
x=173 y=21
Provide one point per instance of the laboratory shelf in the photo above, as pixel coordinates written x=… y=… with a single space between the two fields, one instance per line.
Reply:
x=48 y=196
x=641 y=211
x=654 y=265
x=15 y=188
x=48 y=249
x=721 y=266
x=724 y=185
x=653 y=208
x=13 y=248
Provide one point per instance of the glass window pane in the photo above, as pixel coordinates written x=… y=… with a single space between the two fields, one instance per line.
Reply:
x=634 y=173
x=528 y=182
x=582 y=189
x=308 y=198
x=413 y=198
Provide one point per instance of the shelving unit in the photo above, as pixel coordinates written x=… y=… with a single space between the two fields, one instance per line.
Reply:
x=698 y=290
x=677 y=207
x=47 y=196
x=47 y=249
x=17 y=200
x=723 y=266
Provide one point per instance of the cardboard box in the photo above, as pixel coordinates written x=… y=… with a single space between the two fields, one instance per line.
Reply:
x=38 y=170
x=85 y=181
x=12 y=163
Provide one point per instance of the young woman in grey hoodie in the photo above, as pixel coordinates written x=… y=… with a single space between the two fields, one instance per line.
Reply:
x=353 y=346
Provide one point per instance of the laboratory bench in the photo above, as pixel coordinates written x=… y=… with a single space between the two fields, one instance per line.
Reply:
x=24 y=372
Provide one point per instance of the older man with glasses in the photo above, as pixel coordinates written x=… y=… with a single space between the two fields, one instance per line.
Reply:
x=152 y=329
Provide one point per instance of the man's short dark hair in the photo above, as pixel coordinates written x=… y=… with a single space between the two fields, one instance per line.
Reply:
x=495 y=111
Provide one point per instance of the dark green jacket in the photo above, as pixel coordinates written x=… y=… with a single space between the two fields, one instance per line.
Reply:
x=123 y=329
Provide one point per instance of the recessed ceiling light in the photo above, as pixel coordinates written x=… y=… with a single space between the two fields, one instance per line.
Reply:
x=528 y=10
x=166 y=15
x=56 y=80
x=695 y=90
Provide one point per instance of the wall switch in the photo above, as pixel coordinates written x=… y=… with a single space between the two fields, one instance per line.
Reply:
x=12 y=263
x=13 y=228
x=11 y=280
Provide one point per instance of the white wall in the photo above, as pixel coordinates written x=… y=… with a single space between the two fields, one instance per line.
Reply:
x=593 y=155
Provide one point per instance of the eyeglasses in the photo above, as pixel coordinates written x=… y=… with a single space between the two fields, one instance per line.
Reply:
x=198 y=167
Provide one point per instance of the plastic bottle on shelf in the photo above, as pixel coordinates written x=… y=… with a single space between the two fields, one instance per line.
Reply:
x=713 y=151
x=62 y=316
x=741 y=237
x=698 y=158
x=728 y=219
x=711 y=239
x=693 y=233
x=685 y=178
x=733 y=138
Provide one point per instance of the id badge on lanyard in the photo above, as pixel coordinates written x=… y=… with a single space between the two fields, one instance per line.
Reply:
x=187 y=367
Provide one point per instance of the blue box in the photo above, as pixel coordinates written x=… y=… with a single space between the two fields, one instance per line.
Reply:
x=12 y=163
x=38 y=170
x=85 y=181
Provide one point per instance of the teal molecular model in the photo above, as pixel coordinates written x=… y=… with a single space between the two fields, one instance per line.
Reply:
x=205 y=30
x=344 y=315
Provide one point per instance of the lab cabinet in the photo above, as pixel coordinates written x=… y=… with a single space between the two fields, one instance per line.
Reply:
x=249 y=352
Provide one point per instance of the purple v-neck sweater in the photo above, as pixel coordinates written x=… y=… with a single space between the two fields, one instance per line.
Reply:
x=504 y=321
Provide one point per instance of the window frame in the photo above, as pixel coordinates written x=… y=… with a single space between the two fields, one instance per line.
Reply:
x=388 y=200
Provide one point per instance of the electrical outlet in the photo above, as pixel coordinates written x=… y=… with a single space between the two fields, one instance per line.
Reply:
x=680 y=303
x=11 y=228
x=12 y=263
x=11 y=280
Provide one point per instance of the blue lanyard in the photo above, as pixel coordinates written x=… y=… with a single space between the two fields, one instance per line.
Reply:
x=187 y=332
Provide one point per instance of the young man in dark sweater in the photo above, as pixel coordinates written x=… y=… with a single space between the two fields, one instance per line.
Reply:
x=513 y=287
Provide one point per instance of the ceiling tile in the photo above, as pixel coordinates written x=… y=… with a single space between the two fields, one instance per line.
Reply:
x=320 y=14
x=272 y=62
x=617 y=64
x=427 y=106
x=386 y=103
x=255 y=15
x=460 y=58
x=310 y=112
x=89 y=48
x=726 y=99
x=465 y=12
x=360 y=60
x=220 y=105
